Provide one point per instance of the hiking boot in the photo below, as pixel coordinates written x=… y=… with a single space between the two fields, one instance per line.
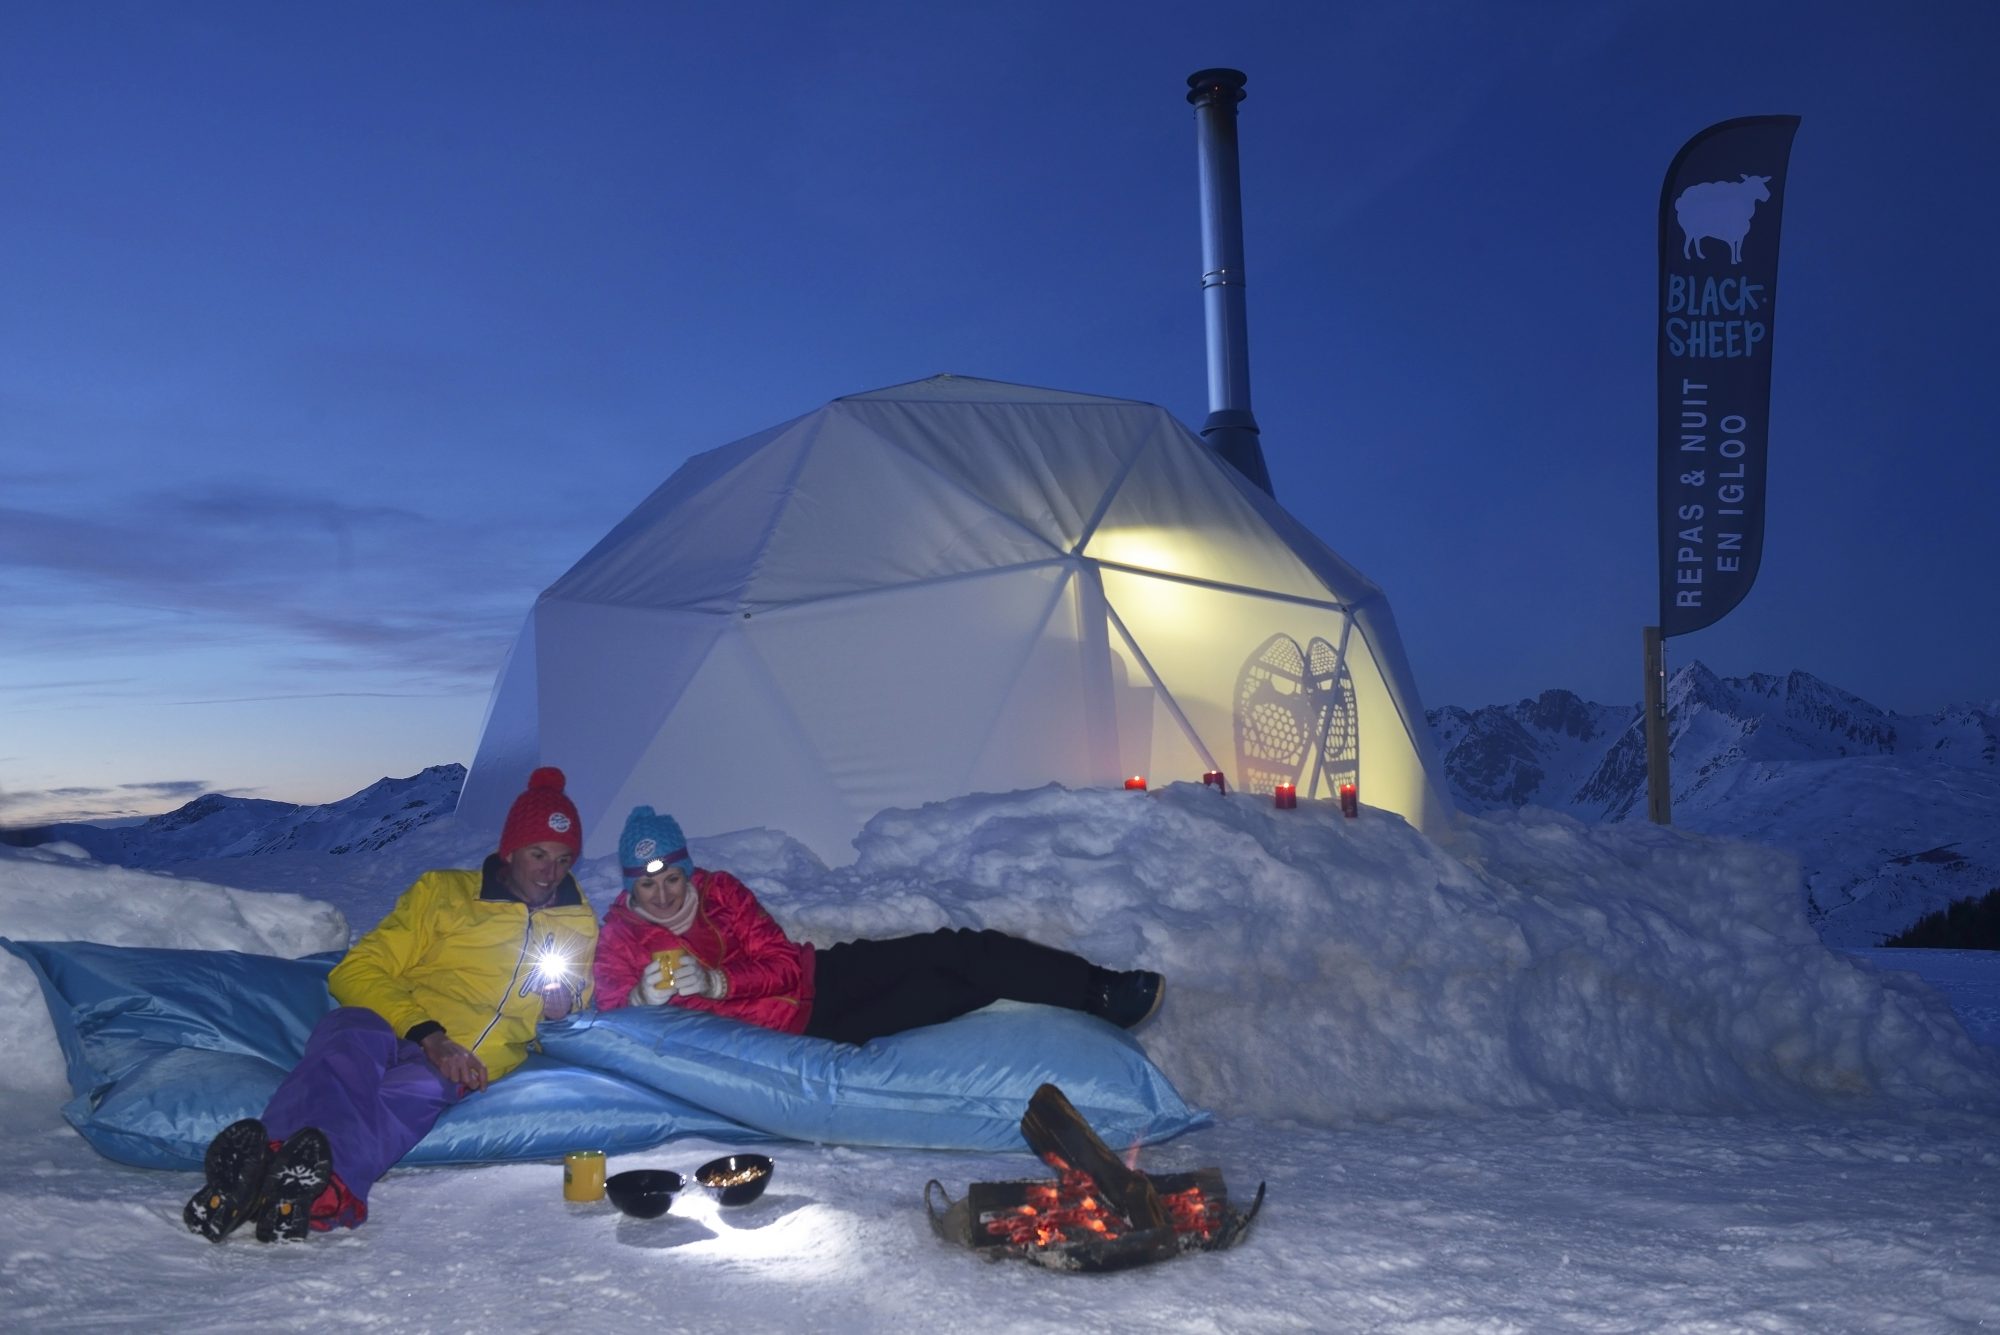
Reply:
x=234 y=1166
x=1128 y=999
x=293 y=1179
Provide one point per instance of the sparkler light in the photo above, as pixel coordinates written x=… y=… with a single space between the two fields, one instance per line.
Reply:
x=551 y=967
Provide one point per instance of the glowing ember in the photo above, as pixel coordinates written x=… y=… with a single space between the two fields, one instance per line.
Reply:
x=1188 y=1212
x=1068 y=1210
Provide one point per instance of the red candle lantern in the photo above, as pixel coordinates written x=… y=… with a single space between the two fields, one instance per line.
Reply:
x=1135 y=784
x=1285 y=796
x=1213 y=779
x=1350 y=801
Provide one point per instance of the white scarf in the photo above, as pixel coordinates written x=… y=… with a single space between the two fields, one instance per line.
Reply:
x=677 y=923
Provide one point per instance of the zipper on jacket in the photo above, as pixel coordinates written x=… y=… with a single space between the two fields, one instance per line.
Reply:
x=527 y=943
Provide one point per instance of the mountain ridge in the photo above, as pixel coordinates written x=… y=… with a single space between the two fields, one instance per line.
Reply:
x=1892 y=816
x=216 y=825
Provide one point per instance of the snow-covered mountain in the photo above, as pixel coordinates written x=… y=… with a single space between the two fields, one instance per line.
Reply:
x=1891 y=815
x=214 y=826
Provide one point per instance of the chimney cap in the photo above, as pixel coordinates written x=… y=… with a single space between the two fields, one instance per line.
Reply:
x=1205 y=84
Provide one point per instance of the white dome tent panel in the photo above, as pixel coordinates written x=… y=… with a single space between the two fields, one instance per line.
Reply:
x=1179 y=510
x=1205 y=643
x=1375 y=626
x=928 y=590
x=730 y=756
x=510 y=741
x=1403 y=779
x=919 y=690
x=1049 y=465
x=694 y=542
x=1054 y=721
x=862 y=514
x=610 y=677
x=1155 y=740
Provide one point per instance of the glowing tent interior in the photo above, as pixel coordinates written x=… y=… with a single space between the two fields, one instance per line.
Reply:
x=950 y=586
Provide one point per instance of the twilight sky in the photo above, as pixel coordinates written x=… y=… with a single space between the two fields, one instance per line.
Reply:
x=331 y=334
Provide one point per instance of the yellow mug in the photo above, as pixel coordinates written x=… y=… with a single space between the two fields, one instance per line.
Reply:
x=669 y=960
x=583 y=1175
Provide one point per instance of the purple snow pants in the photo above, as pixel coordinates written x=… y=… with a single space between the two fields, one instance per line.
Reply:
x=374 y=1095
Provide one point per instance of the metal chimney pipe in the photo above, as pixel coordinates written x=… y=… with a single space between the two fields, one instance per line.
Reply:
x=1230 y=430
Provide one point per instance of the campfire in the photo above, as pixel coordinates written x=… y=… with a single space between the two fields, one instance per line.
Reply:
x=1098 y=1214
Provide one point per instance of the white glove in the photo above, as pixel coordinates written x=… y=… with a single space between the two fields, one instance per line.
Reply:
x=652 y=989
x=693 y=978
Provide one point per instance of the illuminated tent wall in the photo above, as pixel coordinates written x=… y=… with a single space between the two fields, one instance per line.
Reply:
x=946 y=587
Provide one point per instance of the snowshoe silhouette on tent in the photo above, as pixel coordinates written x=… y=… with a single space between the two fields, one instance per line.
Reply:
x=1295 y=718
x=1337 y=756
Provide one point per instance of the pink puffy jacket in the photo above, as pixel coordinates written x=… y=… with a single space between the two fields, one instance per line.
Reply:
x=770 y=975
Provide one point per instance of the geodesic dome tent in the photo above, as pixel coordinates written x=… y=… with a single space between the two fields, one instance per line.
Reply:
x=945 y=587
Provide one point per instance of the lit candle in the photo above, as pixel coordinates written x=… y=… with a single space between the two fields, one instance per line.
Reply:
x=1213 y=779
x=1135 y=784
x=1350 y=801
x=1285 y=795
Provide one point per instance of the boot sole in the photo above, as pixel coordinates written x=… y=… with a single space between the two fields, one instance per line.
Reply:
x=294 y=1178
x=1159 y=995
x=234 y=1165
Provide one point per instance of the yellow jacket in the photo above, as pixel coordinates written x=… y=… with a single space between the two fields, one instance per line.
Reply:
x=459 y=950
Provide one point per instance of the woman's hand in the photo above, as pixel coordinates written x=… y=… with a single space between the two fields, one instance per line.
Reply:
x=652 y=988
x=455 y=1062
x=692 y=978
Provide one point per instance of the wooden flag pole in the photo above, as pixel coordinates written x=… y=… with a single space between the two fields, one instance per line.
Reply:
x=1659 y=788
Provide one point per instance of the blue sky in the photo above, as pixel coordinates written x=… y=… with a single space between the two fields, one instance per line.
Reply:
x=332 y=333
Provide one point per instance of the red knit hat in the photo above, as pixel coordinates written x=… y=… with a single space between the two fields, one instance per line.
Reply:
x=541 y=815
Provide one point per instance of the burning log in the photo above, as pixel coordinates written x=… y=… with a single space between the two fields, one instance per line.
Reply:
x=1099 y=1214
x=1057 y=1133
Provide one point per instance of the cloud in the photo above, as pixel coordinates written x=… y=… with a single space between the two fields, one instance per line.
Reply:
x=304 y=581
x=63 y=684
x=52 y=806
x=308 y=695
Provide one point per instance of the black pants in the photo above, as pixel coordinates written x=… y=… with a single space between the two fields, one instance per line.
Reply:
x=866 y=989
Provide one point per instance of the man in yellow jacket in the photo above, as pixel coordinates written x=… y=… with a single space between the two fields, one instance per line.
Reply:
x=440 y=999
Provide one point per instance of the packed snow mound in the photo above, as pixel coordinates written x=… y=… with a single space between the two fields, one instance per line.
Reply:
x=56 y=893
x=1318 y=968
x=1321 y=968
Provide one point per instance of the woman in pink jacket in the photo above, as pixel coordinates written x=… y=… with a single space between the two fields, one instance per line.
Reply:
x=740 y=963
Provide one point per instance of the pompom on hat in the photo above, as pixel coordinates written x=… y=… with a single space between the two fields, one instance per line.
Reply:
x=542 y=815
x=650 y=838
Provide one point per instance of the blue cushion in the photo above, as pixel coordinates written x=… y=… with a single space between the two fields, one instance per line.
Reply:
x=167 y=1047
x=962 y=1085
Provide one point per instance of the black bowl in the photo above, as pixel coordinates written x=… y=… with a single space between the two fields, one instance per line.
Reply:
x=736 y=1179
x=643 y=1193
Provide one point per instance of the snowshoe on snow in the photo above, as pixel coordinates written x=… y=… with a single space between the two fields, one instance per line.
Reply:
x=293 y=1179
x=234 y=1166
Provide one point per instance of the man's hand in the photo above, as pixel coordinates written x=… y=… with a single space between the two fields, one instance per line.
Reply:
x=455 y=1062
x=555 y=1001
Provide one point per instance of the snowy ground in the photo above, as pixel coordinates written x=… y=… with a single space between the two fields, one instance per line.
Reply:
x=1557 y=1078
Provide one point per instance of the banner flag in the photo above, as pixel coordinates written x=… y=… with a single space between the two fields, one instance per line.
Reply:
x=1719 y=218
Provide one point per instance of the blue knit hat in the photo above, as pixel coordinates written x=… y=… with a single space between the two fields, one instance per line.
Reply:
x=649 y=838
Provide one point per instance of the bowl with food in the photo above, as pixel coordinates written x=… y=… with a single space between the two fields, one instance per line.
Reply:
x=736 y=1179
